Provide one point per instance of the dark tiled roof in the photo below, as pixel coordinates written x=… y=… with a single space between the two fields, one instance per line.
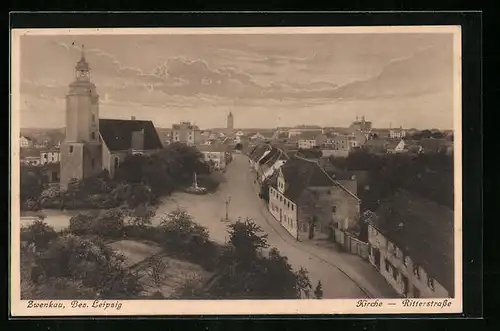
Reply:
x=117 y=134
x=423 y=230
x=258 y=152
x=271 y=157
x=432 y=144
x=300 y=174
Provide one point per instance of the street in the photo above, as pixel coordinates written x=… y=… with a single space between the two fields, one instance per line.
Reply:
x=342 y=275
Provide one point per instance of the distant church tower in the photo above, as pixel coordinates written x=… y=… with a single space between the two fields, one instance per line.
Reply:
x=81 y=150
x=230 y=121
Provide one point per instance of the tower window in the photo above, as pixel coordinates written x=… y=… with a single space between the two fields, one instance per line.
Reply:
x=71 y=149
x=93 y=118
x=93 y=135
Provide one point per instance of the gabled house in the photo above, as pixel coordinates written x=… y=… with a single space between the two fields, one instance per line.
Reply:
x=308 y=203
x=411 y=243
x=25 y=142
x=123 y=137
x=257 y=154
x=273 y=161
x=214 y=155
x=396 y=146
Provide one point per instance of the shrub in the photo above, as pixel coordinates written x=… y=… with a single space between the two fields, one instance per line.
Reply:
x=82 y=223
x=109 y=223
x=91 y=262
x=38 y=233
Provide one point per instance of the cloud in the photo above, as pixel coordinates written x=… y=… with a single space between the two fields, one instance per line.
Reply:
x=427 y=71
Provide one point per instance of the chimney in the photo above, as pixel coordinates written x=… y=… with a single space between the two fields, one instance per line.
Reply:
x=138 y=140
x=133 y=118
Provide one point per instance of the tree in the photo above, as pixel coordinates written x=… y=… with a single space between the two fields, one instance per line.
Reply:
x=38 y=233
x=304 y=286
x=31 y=187
x=247 y=239
x=318 y=291
x=182 y=233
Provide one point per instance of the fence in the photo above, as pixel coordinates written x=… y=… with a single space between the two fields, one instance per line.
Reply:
x=351 y=244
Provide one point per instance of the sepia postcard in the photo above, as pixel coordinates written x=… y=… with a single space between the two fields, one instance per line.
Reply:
x=236 y=171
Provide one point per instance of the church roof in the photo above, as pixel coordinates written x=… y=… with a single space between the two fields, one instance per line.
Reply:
x=117 y=134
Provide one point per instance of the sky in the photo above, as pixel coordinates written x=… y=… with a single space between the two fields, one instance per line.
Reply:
x=265 y=80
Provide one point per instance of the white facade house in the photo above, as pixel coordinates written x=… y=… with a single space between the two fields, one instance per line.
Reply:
x=411 y=244
x=49 y=157
x=306 y=143
x=283 y=209
x=397 y=133
x=407 y=277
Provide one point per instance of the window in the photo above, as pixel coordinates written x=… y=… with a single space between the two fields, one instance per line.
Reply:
x=293 y=207
x=93 y=135
x=387 y=266
x=430 y=282
x=71 y=149
x=329 y=192
x=116 y=163
x=395 y=273
x=416 y=270
x=334 y=209
x=93 y=118
x=92 y=161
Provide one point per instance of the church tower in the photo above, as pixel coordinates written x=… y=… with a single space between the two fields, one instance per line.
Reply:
x=81 y=150
x=230 y=121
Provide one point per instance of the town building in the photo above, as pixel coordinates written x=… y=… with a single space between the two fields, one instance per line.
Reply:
x=398 y=133
x=92 y=145
x=50 y=156
x=308 y=139
x=411 y=243
x=396 y=146
x=376 y=146
x=230 y=122
x=186 y=133
x=307 y=202
x=270 y=163
x=25 y=142
x=361 y=125
x=215 y=155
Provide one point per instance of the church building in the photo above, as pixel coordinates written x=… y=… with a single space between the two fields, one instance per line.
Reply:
x=92 y=144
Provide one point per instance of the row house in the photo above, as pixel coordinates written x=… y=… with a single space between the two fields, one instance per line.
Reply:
x=257 y=154
x=411 y=243
x=308 y=202
x=272 y=162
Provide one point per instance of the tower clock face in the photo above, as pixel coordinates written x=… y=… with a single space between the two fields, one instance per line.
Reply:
x=83 y=73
